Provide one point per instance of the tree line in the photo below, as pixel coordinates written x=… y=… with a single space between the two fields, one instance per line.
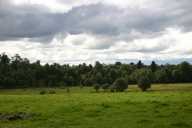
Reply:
x=18 y=72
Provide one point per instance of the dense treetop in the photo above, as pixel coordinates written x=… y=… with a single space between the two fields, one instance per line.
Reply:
x=18 y=72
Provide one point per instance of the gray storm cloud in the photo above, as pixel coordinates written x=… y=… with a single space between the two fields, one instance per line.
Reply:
x=105 y=24
x=17 y=22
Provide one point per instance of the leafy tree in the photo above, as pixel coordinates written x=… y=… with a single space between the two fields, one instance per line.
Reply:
x=140 y=65
x=144 y=79
x=186 y=71
x=118 y=64
x=140 y=72
x=97 y=87
x=4 y=59
x=144 y=83
x=98 y=78
x=120 y=85
x=88 y=82
x=98 y=67
x=153 y=66
x=177 y=75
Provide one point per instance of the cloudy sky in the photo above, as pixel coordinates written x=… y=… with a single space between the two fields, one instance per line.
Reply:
x=77 y=31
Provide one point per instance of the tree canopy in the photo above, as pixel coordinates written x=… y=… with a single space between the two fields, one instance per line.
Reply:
x=18 y=72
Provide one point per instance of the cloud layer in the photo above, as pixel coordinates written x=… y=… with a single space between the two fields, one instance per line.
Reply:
x=84 y=31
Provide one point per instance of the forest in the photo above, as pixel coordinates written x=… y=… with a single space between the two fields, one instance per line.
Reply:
x=18 y=72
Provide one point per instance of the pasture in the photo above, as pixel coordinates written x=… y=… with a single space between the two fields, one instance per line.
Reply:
x=163 y=106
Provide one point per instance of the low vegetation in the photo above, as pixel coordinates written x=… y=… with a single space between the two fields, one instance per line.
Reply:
x=164 y=106
x=16 y=116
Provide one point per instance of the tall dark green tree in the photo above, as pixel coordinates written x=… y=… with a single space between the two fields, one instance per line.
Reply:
x=140 y=64
x=186 y=71
x=153 y=66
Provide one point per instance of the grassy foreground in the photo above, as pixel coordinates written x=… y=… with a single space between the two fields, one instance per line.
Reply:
x=165 y=106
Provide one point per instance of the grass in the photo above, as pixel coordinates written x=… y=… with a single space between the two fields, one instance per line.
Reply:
x=168 y=106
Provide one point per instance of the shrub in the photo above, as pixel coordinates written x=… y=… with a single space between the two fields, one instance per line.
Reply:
x=43 y=92
x=112 y=88
x=105 y=86
x=144 y=77
x=52 y=92
x=144 y=83
x=67 y=89
x=119 y=85
x=96 y=87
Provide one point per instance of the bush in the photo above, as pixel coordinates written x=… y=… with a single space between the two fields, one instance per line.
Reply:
x=144 y=83
x=144 y=79
x=52 y=92
x=68 y=89
x=43 y=92
x=112 y=88
x=96 y=87
x=119 y=85
x=105 y=86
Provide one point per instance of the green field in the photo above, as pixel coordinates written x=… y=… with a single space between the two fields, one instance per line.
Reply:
x=164 y=106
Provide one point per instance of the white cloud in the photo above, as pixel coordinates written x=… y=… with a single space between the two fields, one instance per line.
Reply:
x=74 y=49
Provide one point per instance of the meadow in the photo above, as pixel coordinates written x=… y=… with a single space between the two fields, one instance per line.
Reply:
x=163 y=106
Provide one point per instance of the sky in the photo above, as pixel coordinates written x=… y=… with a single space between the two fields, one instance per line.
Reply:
x=85 y=31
